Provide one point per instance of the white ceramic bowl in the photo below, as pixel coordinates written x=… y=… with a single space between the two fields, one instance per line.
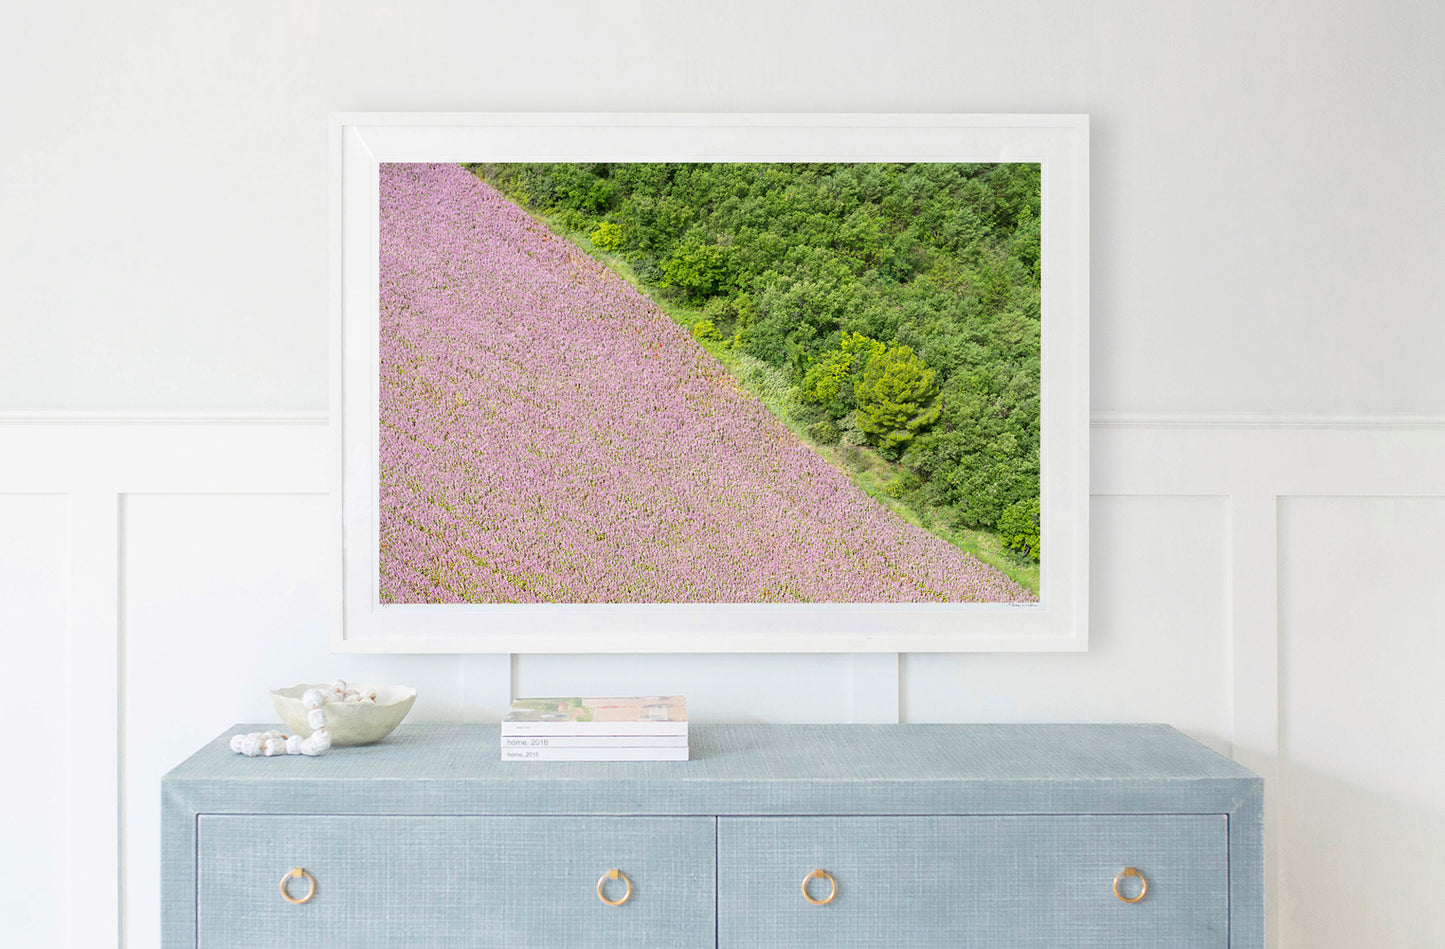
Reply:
x=348 y=723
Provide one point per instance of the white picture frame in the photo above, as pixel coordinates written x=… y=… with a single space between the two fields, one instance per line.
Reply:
x=1058 y=622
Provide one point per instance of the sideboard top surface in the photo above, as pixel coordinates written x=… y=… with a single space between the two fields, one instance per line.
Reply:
x=739 y=769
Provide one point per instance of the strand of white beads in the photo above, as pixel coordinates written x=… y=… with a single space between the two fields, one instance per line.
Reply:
x=275 y=743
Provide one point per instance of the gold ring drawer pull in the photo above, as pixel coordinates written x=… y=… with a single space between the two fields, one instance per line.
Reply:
x=1143 y=885
x=832 y=887
x=292 y=874
x=614 y=875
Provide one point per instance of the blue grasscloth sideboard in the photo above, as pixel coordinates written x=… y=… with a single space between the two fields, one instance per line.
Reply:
x=925 y=835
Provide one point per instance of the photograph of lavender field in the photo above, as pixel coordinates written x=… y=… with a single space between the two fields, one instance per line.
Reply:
x=689 y=383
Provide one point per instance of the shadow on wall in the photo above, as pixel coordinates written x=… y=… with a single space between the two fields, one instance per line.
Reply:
x=1358 y=868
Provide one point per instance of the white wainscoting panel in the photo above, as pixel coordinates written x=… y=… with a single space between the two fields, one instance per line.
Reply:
x=1362 y=783
x=158 y=576
x=1158 y=636
x=35 y=699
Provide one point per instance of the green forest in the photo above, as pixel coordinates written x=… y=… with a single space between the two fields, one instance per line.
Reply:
x=888 y=312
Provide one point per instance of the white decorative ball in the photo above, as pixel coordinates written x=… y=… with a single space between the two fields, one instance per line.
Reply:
x=320 y=739
x=355 y=722
x=339 y=687
x=236 y=742
x=314 y=698
x=293 y=745
x=251 y=745
x=316 y=718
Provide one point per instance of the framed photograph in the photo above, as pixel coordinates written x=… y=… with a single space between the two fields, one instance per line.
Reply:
x=711 y=383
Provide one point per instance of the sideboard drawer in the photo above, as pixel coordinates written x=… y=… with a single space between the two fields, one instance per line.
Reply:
x=984 y=881
x=454 y=881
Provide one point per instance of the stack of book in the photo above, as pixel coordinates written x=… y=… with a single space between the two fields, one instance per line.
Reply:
x=641 y=728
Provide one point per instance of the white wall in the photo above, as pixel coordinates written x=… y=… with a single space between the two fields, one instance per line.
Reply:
x=1267 y=233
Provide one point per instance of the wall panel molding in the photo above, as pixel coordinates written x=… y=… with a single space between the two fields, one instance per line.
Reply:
x=96 y=750
x=175 y=456
x=1258 y=420
x=873 y=688
x=159 y=417
x=1097 y=420
x=294 y=453
x=1254 y=701
x=1359 y=460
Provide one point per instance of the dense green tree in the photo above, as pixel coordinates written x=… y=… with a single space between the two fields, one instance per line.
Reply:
x=895 y=399
x=699 y=269
x=831 y=380
x=1019 y=527
x=607 y=235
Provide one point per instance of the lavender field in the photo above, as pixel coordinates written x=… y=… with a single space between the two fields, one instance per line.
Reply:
x=548 y=434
